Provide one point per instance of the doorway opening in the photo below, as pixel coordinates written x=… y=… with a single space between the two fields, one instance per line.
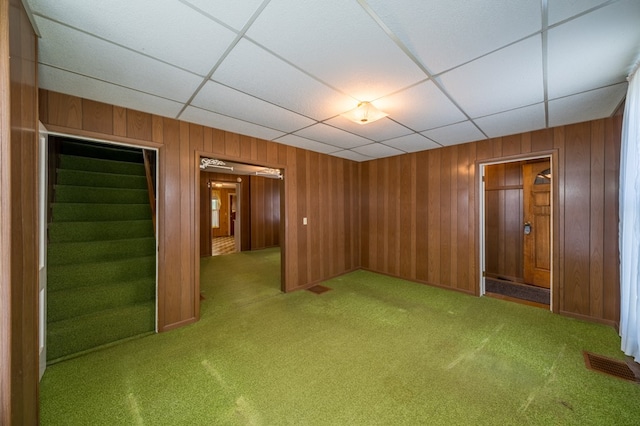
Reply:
x=516 y=232
x=100 y=246
x=241 y=229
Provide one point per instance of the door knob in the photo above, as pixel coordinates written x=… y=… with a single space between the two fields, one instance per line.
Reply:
x=527 y=228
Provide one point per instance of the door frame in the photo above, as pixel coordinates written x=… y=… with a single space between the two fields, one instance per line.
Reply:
x=552 y=156
x=197 y=155
x=44 y=131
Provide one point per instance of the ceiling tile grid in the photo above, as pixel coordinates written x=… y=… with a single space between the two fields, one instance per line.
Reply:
x=446 y=71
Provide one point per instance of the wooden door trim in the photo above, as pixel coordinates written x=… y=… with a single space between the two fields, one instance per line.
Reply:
x=197 y=154
x=553 y=156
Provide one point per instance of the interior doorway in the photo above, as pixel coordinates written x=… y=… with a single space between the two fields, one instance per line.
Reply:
x=249 y=212
x=517 y=230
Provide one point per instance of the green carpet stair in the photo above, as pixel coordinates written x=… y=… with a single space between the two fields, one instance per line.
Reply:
x=101 y=280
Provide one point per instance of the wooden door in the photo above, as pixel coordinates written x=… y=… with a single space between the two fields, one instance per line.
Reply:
x=537 y=223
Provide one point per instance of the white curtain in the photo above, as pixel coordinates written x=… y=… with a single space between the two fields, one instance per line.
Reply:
x=630 y=221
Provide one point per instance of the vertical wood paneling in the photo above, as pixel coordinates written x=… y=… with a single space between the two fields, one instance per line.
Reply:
x=586 y=167
x=119 y=121
x=406 y=202
x=434 y=225
x=265 y=212
x=375 y=211
x=365 y=203
x=577 y=227
x=393 y=232
x=187 y=228
x=314 y=216
x=291 y=220
x=205 y=217
x=596 y=221
x=231 y=144
x=19 y=360
x=559 y=258
x=139 y=125
x=611 y=270
x=300 y=194
x=462 y=253
x=65 y=110
x=422 y=215
x=97 y=117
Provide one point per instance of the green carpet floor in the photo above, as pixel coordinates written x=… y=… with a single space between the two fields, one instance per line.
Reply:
x=373 y=350
x=101 y=255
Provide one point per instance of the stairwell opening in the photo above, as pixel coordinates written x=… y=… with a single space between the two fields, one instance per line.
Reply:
x=101 y=253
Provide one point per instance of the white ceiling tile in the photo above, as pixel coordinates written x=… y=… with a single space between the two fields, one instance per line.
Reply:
x=560 y=10
x=455 y=134
x=211 y=119
x=173 y=32
x=234 y=13
x=507 y=79
x=69 y=49
x=332 y=136
x=350 y=155
x=595 y=50
x=586 y=106
x=446 y=33
x=412 y=143
x=57 y=80
x=338 y=42
x=377 y=150
x=287 y=86
x=421 y=107
x=223 y=100
x=305 y=143
x=378 y=130
x=515 y=121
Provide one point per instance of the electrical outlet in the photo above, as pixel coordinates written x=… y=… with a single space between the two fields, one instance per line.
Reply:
x=304 y=220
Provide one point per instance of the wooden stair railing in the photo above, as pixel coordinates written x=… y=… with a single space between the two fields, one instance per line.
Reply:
x=149 y=165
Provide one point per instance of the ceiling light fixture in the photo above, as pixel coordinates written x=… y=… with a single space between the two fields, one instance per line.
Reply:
x=364 y=113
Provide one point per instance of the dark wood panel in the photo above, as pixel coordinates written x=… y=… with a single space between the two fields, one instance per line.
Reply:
x=434 y=225
x=596 y=220
x=205 y=217
x=139 y=125
x=611 y=270
x=577 y=224
x=97 y=117
x=422 y=215
x=19 y=359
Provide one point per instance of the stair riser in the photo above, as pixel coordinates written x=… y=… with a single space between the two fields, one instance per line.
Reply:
x=81 y=212
x=93 y=179
x=79 y=194
x=98 y=274
x=103 y=166
x=99 y=251
x=107 y=153
x=91 y=231
x=76 y=302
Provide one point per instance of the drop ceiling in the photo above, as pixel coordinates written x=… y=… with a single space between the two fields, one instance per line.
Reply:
x=446 y=71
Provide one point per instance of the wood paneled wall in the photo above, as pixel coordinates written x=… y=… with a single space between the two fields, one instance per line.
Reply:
x=327 y=247
x=420 y=214
x=18 y=217
x=504 y=253
x=265 y=212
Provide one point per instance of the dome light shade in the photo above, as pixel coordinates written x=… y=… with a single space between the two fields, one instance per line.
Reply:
x=364 y=113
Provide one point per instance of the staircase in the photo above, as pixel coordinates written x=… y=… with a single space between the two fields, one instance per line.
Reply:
x=101 y=252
